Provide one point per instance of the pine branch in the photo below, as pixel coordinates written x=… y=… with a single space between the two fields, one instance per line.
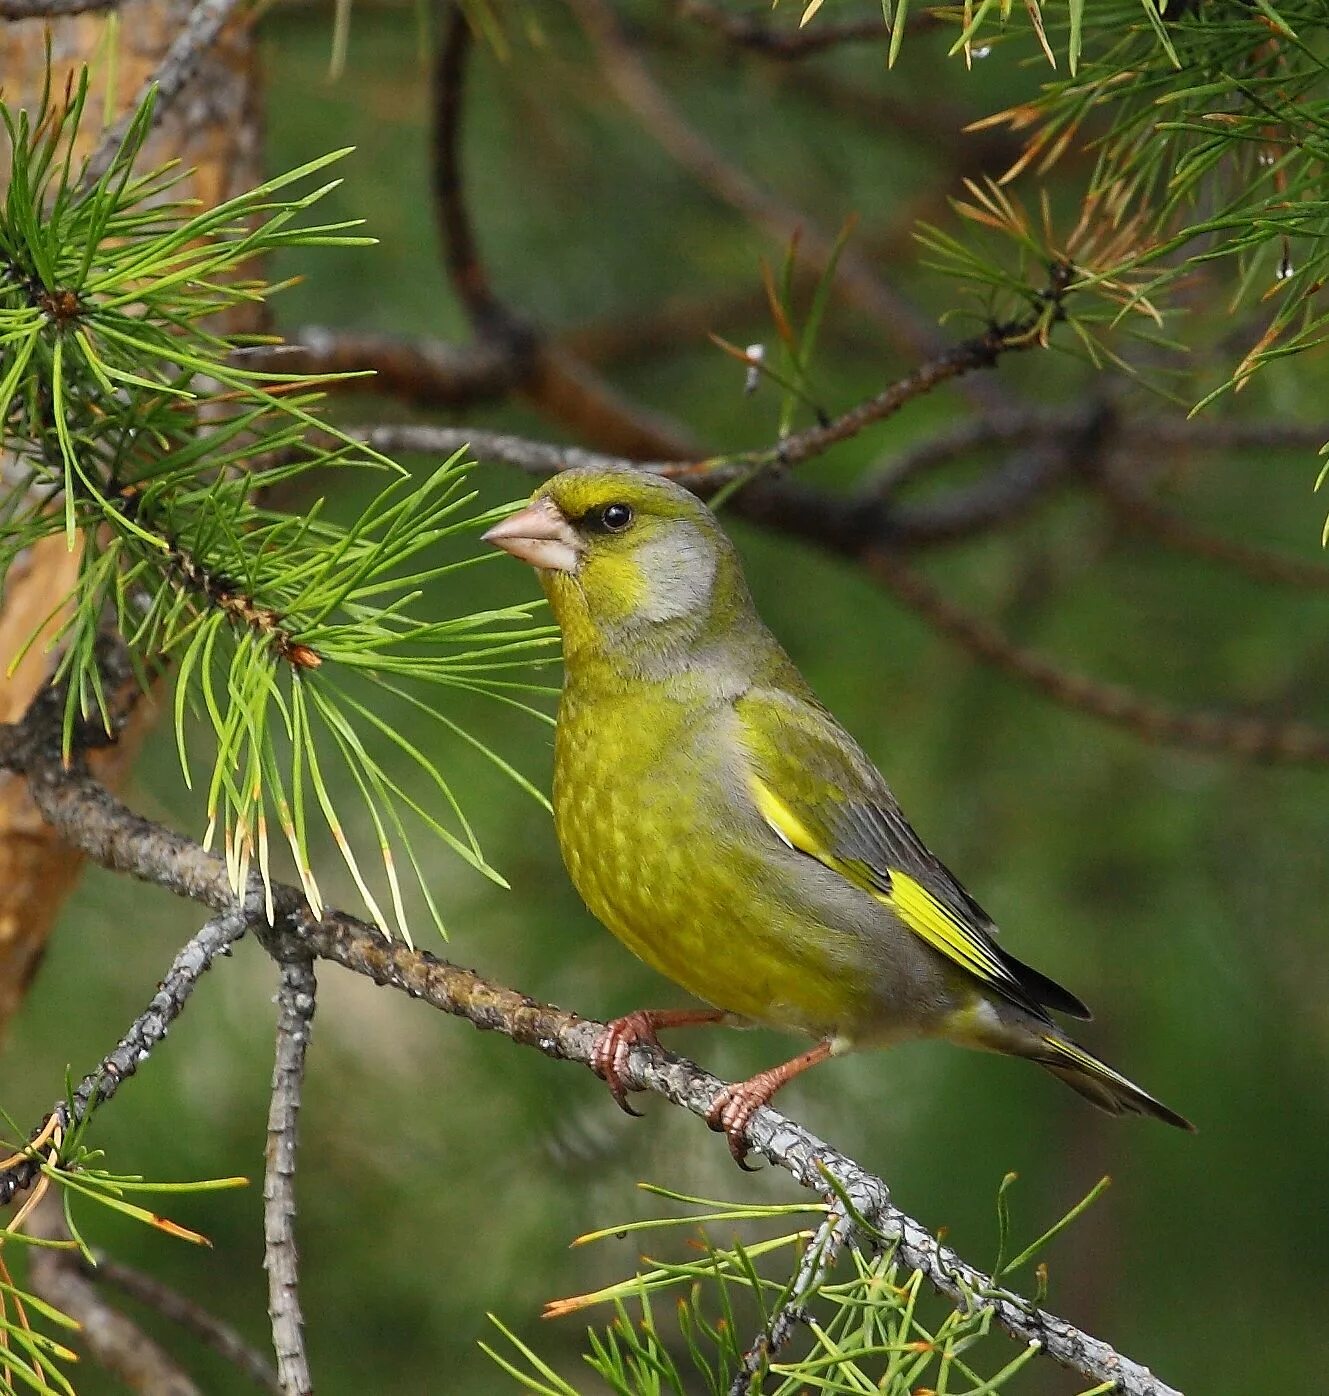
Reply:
x=837 y=1230
x=140 y=432
x=706 y=475
x=295 y=1013
x=107 y=831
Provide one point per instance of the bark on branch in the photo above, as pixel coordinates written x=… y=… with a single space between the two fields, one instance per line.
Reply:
x=295 y=1014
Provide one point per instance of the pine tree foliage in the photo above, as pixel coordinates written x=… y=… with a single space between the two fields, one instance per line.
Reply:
x=868 y=1324
x=34 y=1351
x=1206 y=127
x=134 y=428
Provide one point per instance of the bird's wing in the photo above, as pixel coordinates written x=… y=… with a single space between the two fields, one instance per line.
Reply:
x=822 y=796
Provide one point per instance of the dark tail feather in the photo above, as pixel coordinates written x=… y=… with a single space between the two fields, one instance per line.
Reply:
x=1043 y=990
x=1097 y=1082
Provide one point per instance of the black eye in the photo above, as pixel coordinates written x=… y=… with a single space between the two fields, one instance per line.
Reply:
x=616 y=517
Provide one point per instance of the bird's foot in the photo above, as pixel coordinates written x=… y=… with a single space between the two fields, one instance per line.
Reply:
x=734 y=1107
x=733 y=1110
x=609 y=1056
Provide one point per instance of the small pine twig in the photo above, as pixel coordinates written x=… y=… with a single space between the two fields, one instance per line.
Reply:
x=144 y=1033
x=823 y=1250
x=187 y=573
x=296 y=997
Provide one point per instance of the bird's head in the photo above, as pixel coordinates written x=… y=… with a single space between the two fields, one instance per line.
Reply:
x=628 y=560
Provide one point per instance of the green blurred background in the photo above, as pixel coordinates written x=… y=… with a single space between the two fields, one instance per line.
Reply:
x=443 y=1172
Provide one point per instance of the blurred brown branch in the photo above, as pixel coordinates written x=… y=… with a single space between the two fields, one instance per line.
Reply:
x=182 y=1311
x=1250 y=736
x=1133 y=503
x=112 y=834
x=112 y=1339
x=874 y=534
x=551 y=379
x=50 y=9
x=419 y=372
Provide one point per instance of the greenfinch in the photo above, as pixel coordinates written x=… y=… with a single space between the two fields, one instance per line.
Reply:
x=721 y=823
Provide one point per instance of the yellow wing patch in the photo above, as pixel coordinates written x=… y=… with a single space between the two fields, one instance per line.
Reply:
x=908 y=898
x=785 y=822
x=943 y=930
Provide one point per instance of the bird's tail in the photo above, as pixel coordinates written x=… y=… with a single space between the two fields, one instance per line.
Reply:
x=1097 y=1082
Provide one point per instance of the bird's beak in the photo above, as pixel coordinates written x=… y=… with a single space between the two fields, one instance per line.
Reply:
x=540 y=535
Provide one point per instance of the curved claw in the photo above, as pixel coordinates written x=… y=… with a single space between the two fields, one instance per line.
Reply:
x=731 y=1114
x=609 y=1057
x=624 y=1104
x=735 y=1106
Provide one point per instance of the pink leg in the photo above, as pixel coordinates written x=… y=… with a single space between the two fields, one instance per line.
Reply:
x=610 y=1057
x=735 y=1106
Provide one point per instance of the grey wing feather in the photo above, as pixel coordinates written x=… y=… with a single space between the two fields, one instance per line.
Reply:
x=870 y=828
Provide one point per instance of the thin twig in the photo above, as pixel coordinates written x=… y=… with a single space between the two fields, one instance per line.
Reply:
x=1135 y=507
x=113 y=1340
x=555 y=382
x=185 y=1313
x=144 y=1033
x=177 y=67
x=295 y=1014
x=822 y=1251
x=1139 y=436
x=1250 y=736
x=112 y=834
x=705 y=475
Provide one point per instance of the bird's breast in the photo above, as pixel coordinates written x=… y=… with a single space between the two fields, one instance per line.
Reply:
x=668 y=852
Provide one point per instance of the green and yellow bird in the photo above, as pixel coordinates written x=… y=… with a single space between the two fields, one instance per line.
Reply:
x=731 y=833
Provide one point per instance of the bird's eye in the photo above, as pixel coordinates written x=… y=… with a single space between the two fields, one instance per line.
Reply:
x=616 y=517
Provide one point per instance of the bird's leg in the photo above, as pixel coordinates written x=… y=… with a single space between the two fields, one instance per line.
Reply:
x=609 y=1058
x=735 y=1105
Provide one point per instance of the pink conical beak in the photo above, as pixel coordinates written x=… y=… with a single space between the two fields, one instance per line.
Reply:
x=540 y=535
